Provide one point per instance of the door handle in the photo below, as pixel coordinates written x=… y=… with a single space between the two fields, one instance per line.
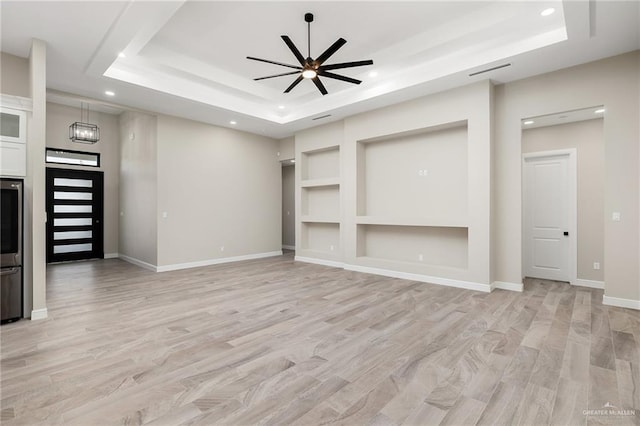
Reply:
x=566 y=233
x=9 y=271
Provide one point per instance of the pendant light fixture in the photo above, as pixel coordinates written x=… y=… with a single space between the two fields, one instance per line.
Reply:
x=82 y=131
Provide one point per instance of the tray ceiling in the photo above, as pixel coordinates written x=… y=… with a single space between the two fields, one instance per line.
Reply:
x=188 y=58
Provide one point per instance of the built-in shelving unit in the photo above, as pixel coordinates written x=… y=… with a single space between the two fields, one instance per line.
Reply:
x=402 y=191
x=320 y=203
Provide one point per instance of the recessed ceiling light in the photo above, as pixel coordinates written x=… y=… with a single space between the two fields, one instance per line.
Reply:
x=526 y=123
x=547 y=12
x=233 y=122
x=292 y=161
x=599 y=111
x=280 y=106
x=121 y=55
x=109 y=93
x=373 y=74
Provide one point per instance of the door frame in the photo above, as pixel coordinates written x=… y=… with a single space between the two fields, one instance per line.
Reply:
x=573 y=205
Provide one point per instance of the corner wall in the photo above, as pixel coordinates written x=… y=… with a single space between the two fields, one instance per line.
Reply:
x=138 y=189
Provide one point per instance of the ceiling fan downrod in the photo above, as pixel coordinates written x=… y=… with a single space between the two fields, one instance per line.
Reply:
x=308 y=18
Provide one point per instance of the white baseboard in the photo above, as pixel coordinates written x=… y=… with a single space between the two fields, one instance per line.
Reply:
x=503 y=285
x=589 y=283
x=468 y=285
x=38 y=314
x=621 y=303
x=137 y=262
x=289 y=247
x=210 y=262
x=111 y=255
x=323 y=262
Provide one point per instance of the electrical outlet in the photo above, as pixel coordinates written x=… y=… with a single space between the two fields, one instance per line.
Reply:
x=615 y=216
x=423 y=172
x=596 y=265
x=165 y=215
x=331 y=247
x=420 y=257
x=221 y=248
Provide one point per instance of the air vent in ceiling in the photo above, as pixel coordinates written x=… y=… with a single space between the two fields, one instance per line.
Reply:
x=321 y=117
x=489 y=69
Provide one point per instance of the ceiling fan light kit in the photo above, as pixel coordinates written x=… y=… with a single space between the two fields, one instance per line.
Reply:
x=313 y=69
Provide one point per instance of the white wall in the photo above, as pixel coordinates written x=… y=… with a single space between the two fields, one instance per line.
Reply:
x=287 y=149
x=614 y=83
x=59 y=117
x=588 y=140
x=219 y=188
x=138 y=188
x=14 y=78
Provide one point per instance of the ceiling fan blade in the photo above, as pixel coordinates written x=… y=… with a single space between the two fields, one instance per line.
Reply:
x=319 y=85
x=331 y=50
x=277 y=75
x=294 y=84
x=338 y=77
x=274 y=62
x=293 y=49
x=347 y=65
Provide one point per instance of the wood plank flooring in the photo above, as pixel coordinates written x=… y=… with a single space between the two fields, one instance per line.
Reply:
x=279 y=342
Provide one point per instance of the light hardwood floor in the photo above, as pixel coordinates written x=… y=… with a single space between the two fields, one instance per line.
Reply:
x=275 y=341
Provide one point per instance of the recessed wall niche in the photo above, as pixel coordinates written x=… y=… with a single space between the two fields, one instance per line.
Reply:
x=419 y=176
x=320 y=203
x=424 y=245
x=321 y=164
x=321 y=237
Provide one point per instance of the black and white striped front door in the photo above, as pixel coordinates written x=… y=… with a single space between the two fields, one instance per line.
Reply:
x=74 y=215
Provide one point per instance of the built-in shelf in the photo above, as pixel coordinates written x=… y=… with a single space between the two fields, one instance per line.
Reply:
x=320 y=164
x=320 y=236
x=321 y=254
x=428 y=245
x=320 y=203
x=395 y=221
x=316 y=183
x=385 y=263
x=316 y=219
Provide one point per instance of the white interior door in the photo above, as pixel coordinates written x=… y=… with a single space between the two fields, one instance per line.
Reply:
x=549 y=228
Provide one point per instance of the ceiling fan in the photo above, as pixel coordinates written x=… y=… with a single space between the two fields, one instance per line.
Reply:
x=313 y=69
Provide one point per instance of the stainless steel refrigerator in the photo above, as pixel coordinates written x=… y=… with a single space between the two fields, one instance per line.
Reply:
x=11 y=253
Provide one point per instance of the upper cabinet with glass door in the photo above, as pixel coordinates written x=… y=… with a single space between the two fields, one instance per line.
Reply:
x=13 y=140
